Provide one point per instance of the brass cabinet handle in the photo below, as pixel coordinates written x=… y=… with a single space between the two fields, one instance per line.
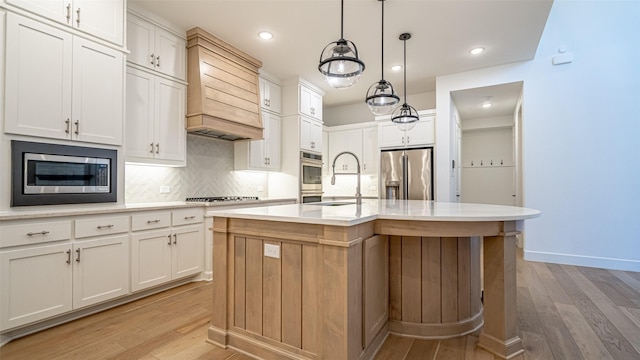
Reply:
x=78 y=17
x=158 y=61
x=151 y=151
x=175 y=239
x=44 y=232
x=158 y=148
x=69 y=256
x=68 y=128
x=78 y=258
x=169 y=236
x=77 y=124
x=100 y=227
x=68 y=13
x=153 y=59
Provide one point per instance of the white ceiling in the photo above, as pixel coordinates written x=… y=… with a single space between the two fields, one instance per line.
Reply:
x=443 y=31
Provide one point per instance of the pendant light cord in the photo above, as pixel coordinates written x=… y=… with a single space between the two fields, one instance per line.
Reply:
x=405 y=71
x=341 y=19
x=382 y=43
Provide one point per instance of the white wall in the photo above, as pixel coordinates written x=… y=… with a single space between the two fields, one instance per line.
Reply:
x=359 y=112
x=580 y=131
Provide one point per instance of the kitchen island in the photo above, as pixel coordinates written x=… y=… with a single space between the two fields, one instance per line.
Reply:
x=330 y=281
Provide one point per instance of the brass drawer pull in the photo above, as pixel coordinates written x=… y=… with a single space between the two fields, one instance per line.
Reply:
x=100 y=227
x=190 y=217
x=153 y=221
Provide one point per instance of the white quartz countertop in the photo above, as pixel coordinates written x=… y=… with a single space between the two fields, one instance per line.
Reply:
x=352 y=214
x=29 y=212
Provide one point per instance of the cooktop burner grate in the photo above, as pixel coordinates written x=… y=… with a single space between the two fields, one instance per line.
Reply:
x=221 y=198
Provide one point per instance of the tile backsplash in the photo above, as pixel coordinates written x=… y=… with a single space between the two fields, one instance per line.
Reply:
x=209 y=172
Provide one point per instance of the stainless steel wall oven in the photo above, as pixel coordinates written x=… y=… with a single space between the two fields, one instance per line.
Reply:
x=50 y=174
x=310 y=177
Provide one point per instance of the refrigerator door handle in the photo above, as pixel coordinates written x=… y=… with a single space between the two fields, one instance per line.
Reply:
x=405 y=177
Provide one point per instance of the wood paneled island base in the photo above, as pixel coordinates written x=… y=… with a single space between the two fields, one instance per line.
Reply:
x=293 y=288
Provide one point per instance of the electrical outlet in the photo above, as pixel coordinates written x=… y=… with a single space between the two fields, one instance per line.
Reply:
x=272 y=251
x=165 y=189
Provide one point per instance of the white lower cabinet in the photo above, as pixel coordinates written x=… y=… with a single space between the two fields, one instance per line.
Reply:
x=51 y=267
x=100 y=269
x=48 y=279
x=36 y=284
x=169 y=253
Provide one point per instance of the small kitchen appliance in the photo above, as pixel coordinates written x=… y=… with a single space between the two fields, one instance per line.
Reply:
x=49 y=174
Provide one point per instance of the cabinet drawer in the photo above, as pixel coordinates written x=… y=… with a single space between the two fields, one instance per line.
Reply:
x=31 y=232
x=103 y=225
x=187 y=216
x=150 y=220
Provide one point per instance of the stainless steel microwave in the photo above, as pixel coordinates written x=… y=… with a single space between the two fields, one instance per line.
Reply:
x=48 y=174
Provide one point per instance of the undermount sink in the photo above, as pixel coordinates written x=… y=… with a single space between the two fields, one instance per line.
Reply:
x=334 y=203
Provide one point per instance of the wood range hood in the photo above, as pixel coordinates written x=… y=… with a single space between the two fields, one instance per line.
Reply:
x=223 y=96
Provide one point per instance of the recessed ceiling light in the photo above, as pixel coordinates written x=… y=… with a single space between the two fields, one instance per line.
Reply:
x=476 y=51
x=265 y=35
x=396 y=67
x=486 y=105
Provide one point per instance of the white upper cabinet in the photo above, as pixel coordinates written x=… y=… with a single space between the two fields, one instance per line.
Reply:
x=155 y=119
x=61 y=86
x=310 y=134
x=370 y=150
x=155 y=48
x=346 y=140
x=422 y=134
x=310 y=103
x=270 y=96
x=261 y=154
x=103 y=19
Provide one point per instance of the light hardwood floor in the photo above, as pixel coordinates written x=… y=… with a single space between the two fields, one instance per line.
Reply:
x=564 y=313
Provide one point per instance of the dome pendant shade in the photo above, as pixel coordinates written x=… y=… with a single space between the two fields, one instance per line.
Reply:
x=405 y=116
x=340 y=65
x=339 y=62
x=382 y=98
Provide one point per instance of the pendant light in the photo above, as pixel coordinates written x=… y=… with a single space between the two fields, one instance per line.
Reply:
x=405 y=116
x=339 y=62
x=381 y=97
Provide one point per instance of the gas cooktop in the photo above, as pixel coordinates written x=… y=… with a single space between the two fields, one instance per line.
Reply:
x=221 y=198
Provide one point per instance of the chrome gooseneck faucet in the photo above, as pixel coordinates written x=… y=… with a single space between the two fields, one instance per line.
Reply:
x=333 y=176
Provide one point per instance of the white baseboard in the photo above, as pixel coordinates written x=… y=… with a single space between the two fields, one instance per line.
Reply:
x=579 y=260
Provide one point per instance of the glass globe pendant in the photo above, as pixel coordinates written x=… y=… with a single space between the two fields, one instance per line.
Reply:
x=339 y=62
x=381 y=96
x=405 y=116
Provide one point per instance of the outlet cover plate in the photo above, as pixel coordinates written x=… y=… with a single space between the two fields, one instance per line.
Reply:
x=272 y=251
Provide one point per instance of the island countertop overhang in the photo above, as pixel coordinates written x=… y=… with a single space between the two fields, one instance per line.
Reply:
x=352 y=214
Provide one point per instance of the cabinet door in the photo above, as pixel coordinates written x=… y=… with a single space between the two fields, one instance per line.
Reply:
x=370 y=150
x=390 y=135
x=140 y=115
x=310 y=103
x=188 y=249
x=52 y=9
x=422 y=133
x=140 y=41
x=38 y=79
x=170 y=134
x=101 y=270
x=100 y=18
x=97 y=93
x=257 y=148
x=150 y=258
x=36 y=284
x=316 y=136
x=272 y=141
x=346 y=140
x=170 y=54
x=270 y=96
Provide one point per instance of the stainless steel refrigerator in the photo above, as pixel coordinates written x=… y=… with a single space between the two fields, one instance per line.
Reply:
x=406 y=174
